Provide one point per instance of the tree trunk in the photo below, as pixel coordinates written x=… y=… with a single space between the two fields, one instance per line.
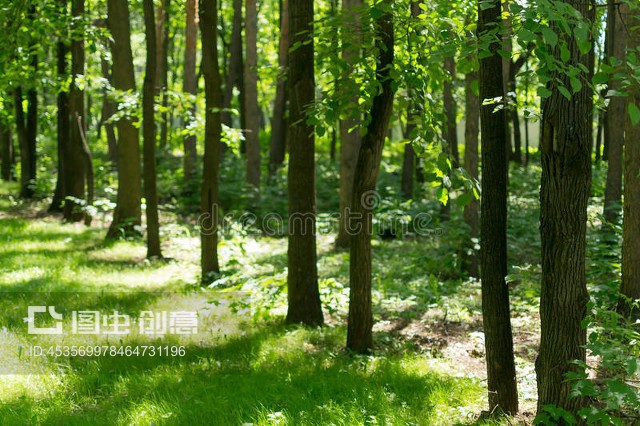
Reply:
x=162 y=68
x=27 y=148
x=408 y=161
x=564 y=193
x=277 y=143
x=630 y=287
x=470 y=259
x=108 y=109
x=127 y=215
x=234 y=76
x=302 y=279
x=360 y=320
x=451 y=132
x=7 y=151
x=63 y=131
x=616 y=27
x=252 y=117
x=350 y=139
x=501 y=371
x=209 y=194
x=191 y=87
x=75 y=173
x=149 y=135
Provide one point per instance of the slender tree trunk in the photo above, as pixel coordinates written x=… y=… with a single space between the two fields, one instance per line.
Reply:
x=615 y=119
x=360 y=320
x=27 y=148
x=599 y=136
x=75 y=174
x=277 y=143
x=191 y=87
x=7 y=151
x=451 y=132
x=127 y=216
x=350 y=139
x=507 y=46
x=63 y=131
x=162 y=72
x=470 y=259
x=32 y=126
x=564 y=193
x=149 y=135
x=630 y=287
x=252 y=117
x=496 y=319
x=209 y=194
x=408 y=161
x=234 y=76
x=302 y=279
x=108 y=109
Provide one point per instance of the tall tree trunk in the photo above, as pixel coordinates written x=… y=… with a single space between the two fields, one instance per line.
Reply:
x=191 y=87
x=252 y=118
x=27 y=147
x=149 y=135
x=408 y=161
x=470 y=259
x=7 y=151
x=507 y=46
x=451 y=132
x=501 y=371
x=630 y=287
x=360 y=320
x=127 y=215
x=63 y=131
x=75 y=173
x=209 y=194
x=234 y=75
x=108 y=109
x=162 y=68
x=302 y=279
x=616 y=113
x=277 y=142
x=350 y=139
x=564 y=194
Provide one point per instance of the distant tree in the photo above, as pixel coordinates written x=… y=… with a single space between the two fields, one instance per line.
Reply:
x=6 y=147
x=190 y=85
x=501 y=372
x=149 y=134
x=302 y=277
x=235 y=76
x=252 y=119
x=211 y=160
x=163 y=26
x=564 y=194
x=277 y=142
x=470 y=260
x=360 y=320
x=127 y=215
x=451 y=124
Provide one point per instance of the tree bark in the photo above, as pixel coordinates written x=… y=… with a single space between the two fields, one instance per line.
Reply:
x=496 y=319
x=63 y=131
x=162 y=72
x=451 y=132
x=470 y=259
x=7 y=151
x=149 y=135
x=302 y=279
x=108 y=109
x=564 y=193
x=190 y=86
x=616 y=113
x=630 y=287
x=350 y=139
x=210 y=167
x=360 y=320
x=277 y=142
x=127 y=215
x=27 y=147
x=234 y=75
x=252 y=118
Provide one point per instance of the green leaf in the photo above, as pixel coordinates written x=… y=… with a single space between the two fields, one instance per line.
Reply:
x=549 y=36
x=564 y=53
x=634 y=113
x=443 y=195
x=464 y=199
x=565 y=92
x=600 y=78
x=576 y=85
x=543 y=92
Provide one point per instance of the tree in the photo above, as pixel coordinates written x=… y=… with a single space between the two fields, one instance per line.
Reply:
x=190 y=85
x=6 y=145
x=501 y=372
x=360 y=320
x=277 y=142
x=162 y=64
x=302 y=277
x=616 y=30
x=471 y=218
x=450 y=128
x=630 y=287
x=350 y=139
x=235 y=70
x=252 y=118
x=149 y=134
x=564 y=193
x=213 y=128
x=127 y=215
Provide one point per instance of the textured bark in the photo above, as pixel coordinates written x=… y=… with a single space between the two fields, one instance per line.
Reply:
x=350 y=139
x=501 y=371
x=252 y=118
x=564 y=194
x=75 y=173
x=149 y=135
x=470 y=259
x=210 y=167
x=360 y=320
x=127 y=215
x=63 y=131
x=234 y=75
x=190 y=86
x=616 y=113
x=6 y=140
x=277 y=142
x=302 y=279
x=630 y=287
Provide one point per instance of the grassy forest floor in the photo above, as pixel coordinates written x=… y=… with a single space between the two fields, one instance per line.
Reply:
x=428 y=367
